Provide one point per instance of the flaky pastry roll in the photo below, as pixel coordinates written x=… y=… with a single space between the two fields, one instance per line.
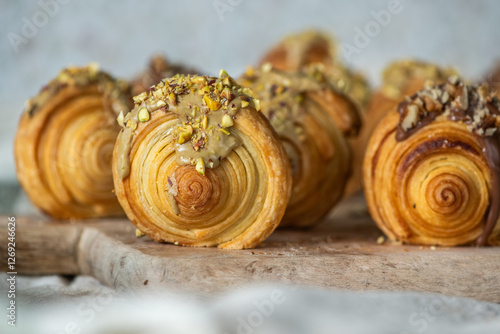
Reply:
x=64 y=143
x=432 y=167
x=400 y=79
x=197 y=164
x=314 y=121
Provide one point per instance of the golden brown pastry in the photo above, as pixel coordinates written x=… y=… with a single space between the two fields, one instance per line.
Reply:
x=311 y=49
x=196 y=164
x=432 y=167
x=313 y=121
x=157 y=69
x=65 y=140
x=400 y=79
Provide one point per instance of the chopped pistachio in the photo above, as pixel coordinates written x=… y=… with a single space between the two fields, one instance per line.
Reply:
x=227 y=121
x=205 y=122
x=248 y=91
x=184 y=137
x=200 y=166
x=141 y=97
x=256 y=103
x=64 y=77
x=157 y=93
x=211 y=103
x=267 y=67
x=219 y=86
x=120 y=119
x=224 y=131
x=173 y=98
x=201 y=80
x=139 y=233
x=228 y=81
x=143 y=115
x=453 y=79
x=93 y=69
x=132 y=124
x=244 y=104
x=161 y=103
x=223 y=73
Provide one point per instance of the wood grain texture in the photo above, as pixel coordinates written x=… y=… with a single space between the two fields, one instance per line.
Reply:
x=342 y=254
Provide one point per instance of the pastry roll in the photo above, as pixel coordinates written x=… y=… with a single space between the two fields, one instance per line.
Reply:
x=432 y=165
x=493 y=79
x=400 y=79
x=157 y=69
x=64 y=144
x=316 y=49
x=196 y=164
x=313 y=121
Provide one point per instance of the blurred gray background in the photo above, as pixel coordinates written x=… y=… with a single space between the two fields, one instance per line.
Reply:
x=214 y=34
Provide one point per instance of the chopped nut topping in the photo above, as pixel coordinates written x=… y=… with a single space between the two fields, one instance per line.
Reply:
x=200 y=166
x=120 y=118
x=399 y=75
x=474 y=105
x=211 y=102
x=143 y=115
x=280 y=96
x=411 y=118
x=132 y=124
x=117 y=92
x=205 y=106
x=227 y=121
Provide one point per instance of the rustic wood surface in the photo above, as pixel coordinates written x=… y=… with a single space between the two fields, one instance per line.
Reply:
x=342 y=253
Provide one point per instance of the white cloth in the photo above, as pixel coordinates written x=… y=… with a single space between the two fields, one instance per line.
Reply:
x=53 y=304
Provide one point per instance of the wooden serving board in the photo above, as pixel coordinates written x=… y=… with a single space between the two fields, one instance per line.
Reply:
x=342 y=253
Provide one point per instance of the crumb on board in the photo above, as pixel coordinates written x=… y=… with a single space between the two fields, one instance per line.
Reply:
x=138 y=233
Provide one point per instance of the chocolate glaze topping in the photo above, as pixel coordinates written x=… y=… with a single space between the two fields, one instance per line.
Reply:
x=474 y=105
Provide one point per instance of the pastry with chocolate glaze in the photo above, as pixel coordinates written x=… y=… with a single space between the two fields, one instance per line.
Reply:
x=64 y=143
x=400 y=79
x=432 y=167
x=314 y=122
x=197 y=164
x=158 y=68
x=493 y=79
x=312 y=48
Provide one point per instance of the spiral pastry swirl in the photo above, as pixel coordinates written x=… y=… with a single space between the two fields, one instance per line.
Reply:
x=64 y=144
x=313 y=121
x=431 y=170
x=197 y=165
